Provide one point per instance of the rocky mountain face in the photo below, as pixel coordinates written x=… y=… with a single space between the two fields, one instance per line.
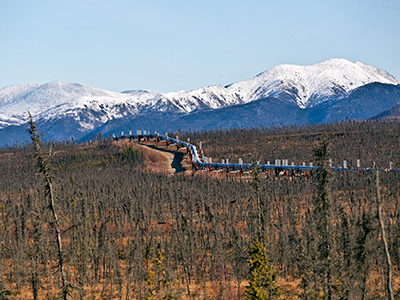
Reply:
x=332 y=90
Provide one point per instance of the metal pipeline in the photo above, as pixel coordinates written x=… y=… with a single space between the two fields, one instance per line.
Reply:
x=202 y=164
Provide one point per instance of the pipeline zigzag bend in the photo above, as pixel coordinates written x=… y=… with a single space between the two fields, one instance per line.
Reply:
x=206 y=163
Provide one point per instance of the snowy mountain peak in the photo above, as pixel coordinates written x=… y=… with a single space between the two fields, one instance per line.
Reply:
x=308 y=86
x=47 y=100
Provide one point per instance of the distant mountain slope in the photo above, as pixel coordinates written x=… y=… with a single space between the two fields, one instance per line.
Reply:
x=391 y=114
x=284 y=94
x=362 y=103
x=263 y=112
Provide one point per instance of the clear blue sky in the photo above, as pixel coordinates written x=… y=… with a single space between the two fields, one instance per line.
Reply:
x=180 y=45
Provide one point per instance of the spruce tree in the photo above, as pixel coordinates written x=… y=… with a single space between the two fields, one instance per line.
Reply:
x=263 y=277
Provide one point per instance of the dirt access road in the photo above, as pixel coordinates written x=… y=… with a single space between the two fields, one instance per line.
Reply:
x=175 y=161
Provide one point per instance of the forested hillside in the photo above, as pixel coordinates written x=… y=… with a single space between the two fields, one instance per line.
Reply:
x=131 y=233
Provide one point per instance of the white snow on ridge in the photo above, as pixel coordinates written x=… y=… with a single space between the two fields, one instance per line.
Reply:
x=306 y=86
x=57 y=98
x=311 y=82
x=38 y=98
x=213 y=97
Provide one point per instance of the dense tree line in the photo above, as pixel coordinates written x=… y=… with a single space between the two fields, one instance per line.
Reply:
x=131 y=234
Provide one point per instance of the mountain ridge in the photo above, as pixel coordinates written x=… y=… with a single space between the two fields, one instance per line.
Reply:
x=88 y=108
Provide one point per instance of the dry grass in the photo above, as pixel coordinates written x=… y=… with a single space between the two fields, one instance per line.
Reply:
x=211 y=290
x=227 y=289
x=155 y=161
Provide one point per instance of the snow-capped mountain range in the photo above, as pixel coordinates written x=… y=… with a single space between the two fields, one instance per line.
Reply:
x=87 y=108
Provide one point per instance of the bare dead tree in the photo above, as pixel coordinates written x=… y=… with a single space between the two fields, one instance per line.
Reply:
x=47 y=179
x=384 y=240
x=323 y=212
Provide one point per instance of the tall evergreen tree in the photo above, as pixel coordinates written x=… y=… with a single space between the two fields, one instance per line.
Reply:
x=263 y=277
